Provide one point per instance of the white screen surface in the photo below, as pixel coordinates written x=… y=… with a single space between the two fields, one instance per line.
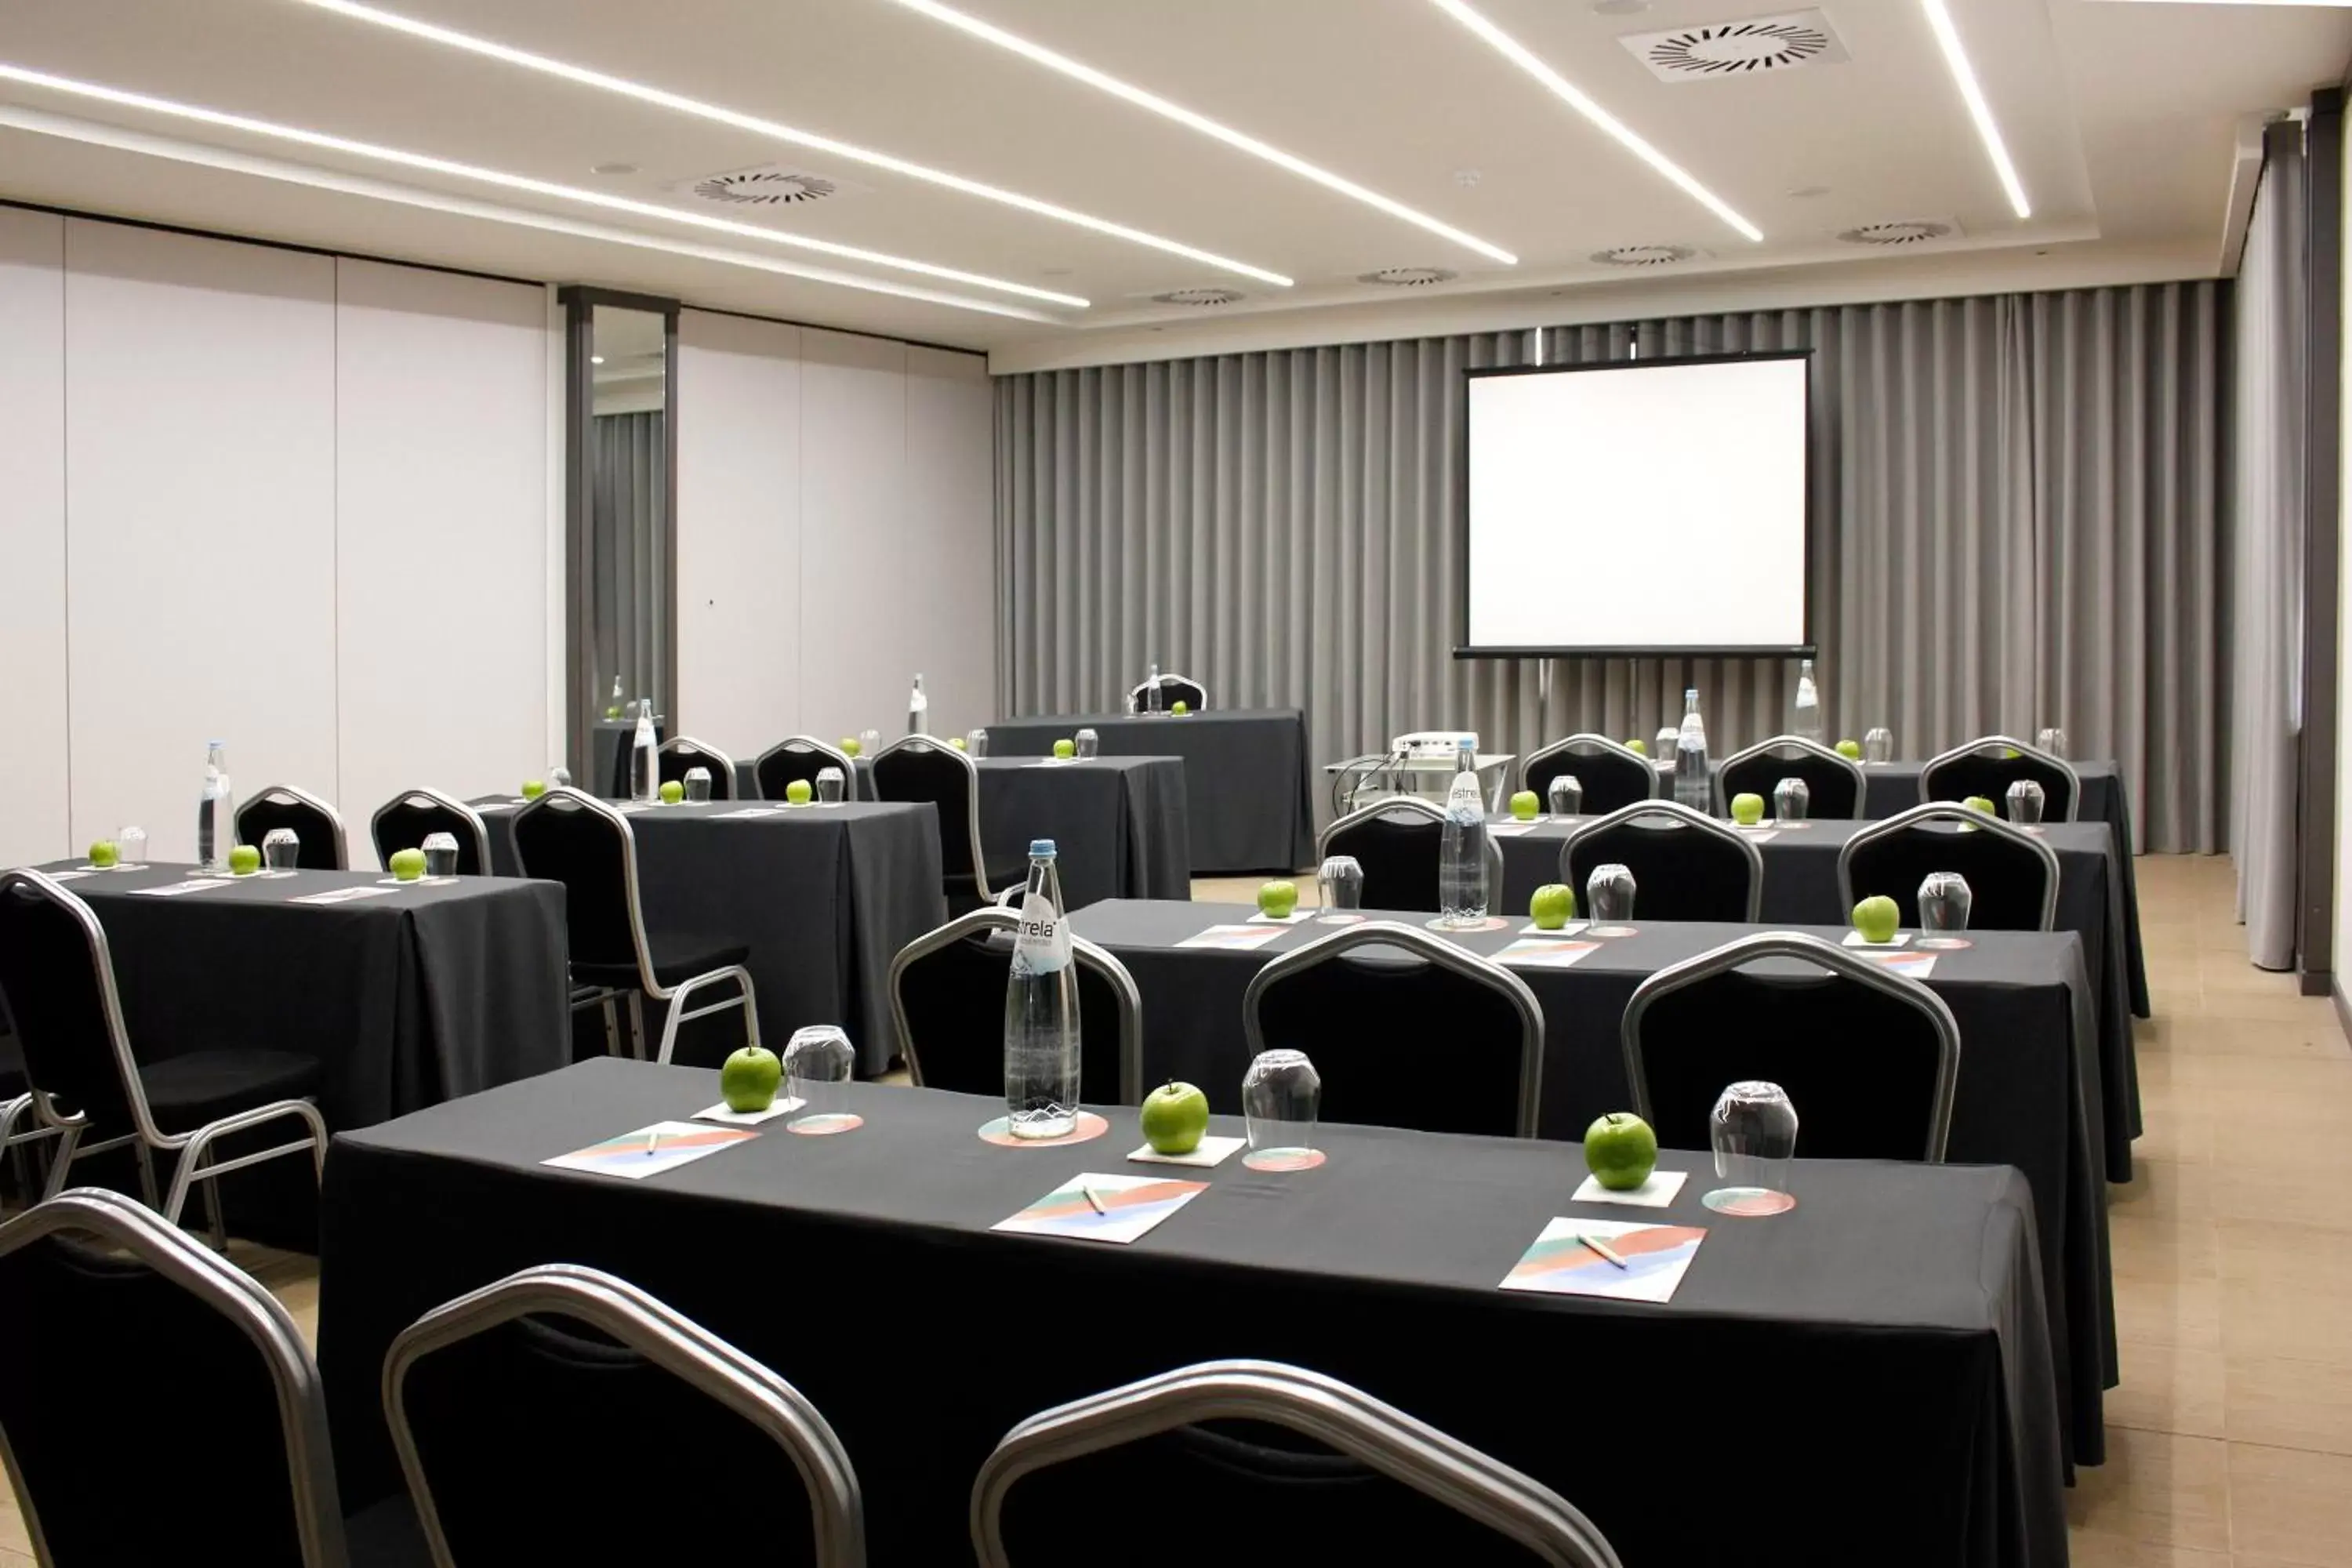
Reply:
x=1655 y=507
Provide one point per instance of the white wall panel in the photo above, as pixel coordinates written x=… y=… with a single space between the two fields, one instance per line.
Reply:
x=199 y=447
x=440 y=449
x=857 y=639
x=34 y=826
x=949 y=622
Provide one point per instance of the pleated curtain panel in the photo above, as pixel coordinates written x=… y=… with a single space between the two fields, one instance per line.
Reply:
x=629 y=487
x=2024 y=512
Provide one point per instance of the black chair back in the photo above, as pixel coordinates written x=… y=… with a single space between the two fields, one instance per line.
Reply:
x=115 y=1319
x=920 y=768
x=406 y=820
x=1174 y=689
x=675 y=756
x=576 y=839
x=1835 y=786
x=2012 y=876
x=59 y=982
x=947 y=996
x=1613 y=775
x=317 y=825
x=1686 y=866
x=1399 y=844
x=801 y=758
x=1989 y=766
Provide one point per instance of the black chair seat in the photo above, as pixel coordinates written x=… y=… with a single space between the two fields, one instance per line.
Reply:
x=11 y=1068
x=185 y=1092
x=672 y=966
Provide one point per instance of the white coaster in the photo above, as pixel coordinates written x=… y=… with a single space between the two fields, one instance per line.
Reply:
x=1213 y=1151
x=1295 y=917
x=719 y=1112
x=1855 y=939
x=1655 y=1194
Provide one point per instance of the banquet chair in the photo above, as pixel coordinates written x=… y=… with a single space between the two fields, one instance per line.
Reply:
x=1397 y=842
x=562 y=1414
x=1308 y=1468
x=580 y=841
x=116 y=1318
x=1989 y=765
x=1836 y=786
x=1687 y=865
x=406 y=820
x=679 y=753
x=319 y=826
x=801 y=757
x=1869 y=1059
x=1174 y=689
x=924 y=768
x=945 y=979
x=1379 y=1024
x=2013 y=874
x=1613 y=774
x=57 y=975
x=19 y=1129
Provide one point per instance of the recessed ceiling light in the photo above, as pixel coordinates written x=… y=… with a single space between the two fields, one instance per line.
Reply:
x=395 y=155
x=1102 y=81
x=595 y=359
x=612 y=168
x=1807 y=193
x=1964 y=77
x=664 y=99
x=1519 y=55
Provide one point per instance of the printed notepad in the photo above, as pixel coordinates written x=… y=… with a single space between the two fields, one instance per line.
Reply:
x=1546 y=951
x=1918 y=965
x=193 y=885
x=1238 y=938
x=1652 y=1258
x=649 y=1151
x=1095 y=1207
x=341 y=895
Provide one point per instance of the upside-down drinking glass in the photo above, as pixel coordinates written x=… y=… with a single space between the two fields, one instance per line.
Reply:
x=1944 y=899
x=559 y=778
x=1878 y=745
x=281 y=849
x=1609 y=900
x=868 y=741
x=697 y=783
x=817 y=1063
x=1281 y=1095
x=1088 y=744
x=1662 y=749
x=1340 y=882
x=1753 y=1128
x=1565 y=796
x=828 y=785
x=975 y=744
x=440 y=854
x=131 y=846
x=1792 y=799
x=2025 y=803
x=2051 y=738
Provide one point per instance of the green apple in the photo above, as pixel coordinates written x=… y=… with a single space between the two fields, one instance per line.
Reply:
x=1638 y=745
x=1278 y=899
x=672 y=792
x=104 y=854
x=1524 y=806
x=851 y=745
x=1553 y=906
x=243 y=860
x=612 y=712
x=799 y=793
x=1174 y=1116
x=960 y=743
x=1850 y=748
x=1978 y=802
x=1878 y=917
x=747 y=1082
x=1747 y=810
x=533 y=788
x=408 y=865
x=1181 y=708
x=1066 y=748
x=1621 y=1151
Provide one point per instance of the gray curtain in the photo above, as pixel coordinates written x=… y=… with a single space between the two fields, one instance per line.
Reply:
x=2023 y=519
x=2267 y=644
x=630 y=489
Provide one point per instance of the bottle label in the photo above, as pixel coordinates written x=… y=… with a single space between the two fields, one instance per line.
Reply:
x=1041 y=942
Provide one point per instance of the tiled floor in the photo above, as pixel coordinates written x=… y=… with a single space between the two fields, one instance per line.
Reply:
x=2230 y=1441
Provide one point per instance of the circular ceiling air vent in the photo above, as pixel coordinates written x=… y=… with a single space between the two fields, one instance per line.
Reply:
x=1913 y=232
x=1644 y=255
x=1198 y=297
x=1736 y=47
x=1409 y=277
x=766 y=188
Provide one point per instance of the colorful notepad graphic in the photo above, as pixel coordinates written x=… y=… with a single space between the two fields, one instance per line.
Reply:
x=1095 y=1207
x=1237 y=938
x=1918 y=965
x=1560 y=1263
x=1544 y=952
x=649 y=1151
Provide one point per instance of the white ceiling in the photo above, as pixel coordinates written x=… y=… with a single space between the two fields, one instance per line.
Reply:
x=2125 y=122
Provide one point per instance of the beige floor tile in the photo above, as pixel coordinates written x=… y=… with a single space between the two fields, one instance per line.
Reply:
x=2271 y=1318
x=2179 y=1313
x=2163 y=1189
x=2290 y=1504
x=2169 y=1388
x=13 y=1536
x=2288 y=1404
x=2157 y=1489
x=2155 y=1248
x=2087 y=1548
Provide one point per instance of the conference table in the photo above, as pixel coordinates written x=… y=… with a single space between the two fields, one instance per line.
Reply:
x=2027 y=1092
x=1868 y=1373
x=823 y=897
x=1800 y=888
x=1247 y=781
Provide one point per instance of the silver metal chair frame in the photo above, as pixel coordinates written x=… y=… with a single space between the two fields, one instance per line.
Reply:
x=1412 y=806
x=1676 y=811
x=1001 y=917
x=1375 y=1434
x=303 y=797
x=145 y=1138
x=2073 y=796
x=1812 y=749
x=972 y=797
x=1943 y=811
x=671 y=1340
x=115 y=1221
x=688 y=746
x=587 y=995
x=1839 y=961
x=448 y=802
x=1135 y=693
x=1423 y=944
x=833 y=756
x=1590 y=745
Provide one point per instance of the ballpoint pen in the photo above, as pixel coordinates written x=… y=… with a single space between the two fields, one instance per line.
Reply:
x=1603 y=1249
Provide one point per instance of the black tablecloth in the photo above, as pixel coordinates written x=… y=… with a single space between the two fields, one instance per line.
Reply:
x=1800 y=888
x=823 y=896
x=1247 y=782
x=2027 y=1094
x=1863 y=1380
x=610 y=750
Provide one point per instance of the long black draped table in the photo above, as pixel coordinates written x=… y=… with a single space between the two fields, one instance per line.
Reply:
x=1865 y=1379
x=2027 y=1094
x=1800 y=888
x=1247 y=777
x=825 y=897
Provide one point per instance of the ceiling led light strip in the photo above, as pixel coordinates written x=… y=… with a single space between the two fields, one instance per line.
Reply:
x=92 y=133
x=515 y=182
x=1964 y=76
x=663 y=98
x=1104 y=83
x=1518 y=53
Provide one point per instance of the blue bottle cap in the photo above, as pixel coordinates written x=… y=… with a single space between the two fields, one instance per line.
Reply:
x=1040 y=846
